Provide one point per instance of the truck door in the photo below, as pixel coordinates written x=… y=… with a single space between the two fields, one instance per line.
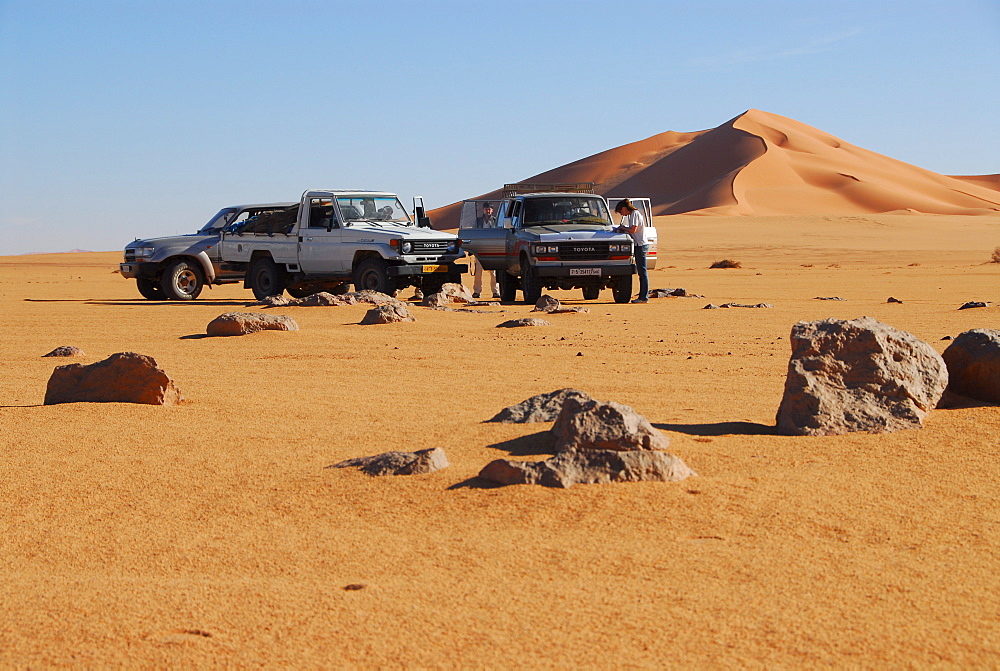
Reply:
x=320 y=235
x=487 y=239
x=645 y=206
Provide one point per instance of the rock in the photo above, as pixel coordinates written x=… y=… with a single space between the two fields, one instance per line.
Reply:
x=373 y=297
x=589 y=467
x=388 y=313
x=744 y=305
x=710 y=306
x=525 y=321
x=242 y=323
x=858 y=375
x=584 y=424
x=125 y=377
x=546 y=303
x=893 y=300
x=947 y=338
x=325 y=299
x=562 y=310
x=457 y=293
x=828 y=298
x=273 y=301
x=436 y=301
x=666 y=293
x=400 y=463
x=974 y=304
x=539 y=408
x=65 y=350
x=973 y=360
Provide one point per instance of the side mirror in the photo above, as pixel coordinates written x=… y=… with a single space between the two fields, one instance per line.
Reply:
x=424 y=222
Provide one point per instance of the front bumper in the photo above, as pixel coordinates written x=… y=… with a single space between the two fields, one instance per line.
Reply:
x=574 y=271
x=427 y=269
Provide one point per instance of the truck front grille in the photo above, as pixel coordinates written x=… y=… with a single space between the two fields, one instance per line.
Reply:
x=583 y=251
x=430 y=247
x=129 y=255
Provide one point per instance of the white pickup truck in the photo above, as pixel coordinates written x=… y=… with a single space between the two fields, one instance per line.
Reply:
x=338 y=237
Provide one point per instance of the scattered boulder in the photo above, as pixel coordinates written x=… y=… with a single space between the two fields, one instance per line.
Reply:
x=744 y=305
x=388 y=313
x=324 y=299
x=711 y=306
x=400 y=463
x=546 y=303
x=457 y=293
x=438 y=301
x=858 y=375
x=524 y=321
x=973 y=360
x=974 y=304
x=243 y=323
x=539 y=408
x=280 y=300
x=65 y=350
x=588 y=424
x=667 y=293
x=588 y=467
x=828 y=298
x=893 y=300
x=125 y=377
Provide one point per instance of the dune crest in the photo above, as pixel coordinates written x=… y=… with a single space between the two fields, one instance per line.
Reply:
x=761 y=164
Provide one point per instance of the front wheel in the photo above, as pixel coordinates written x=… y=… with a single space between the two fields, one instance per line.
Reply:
x=182 y=281
x=150 y=289
x=265 y=278
x=508 y=286
x=372 y=274
x=531 y=283
x=622 y=288
x=591 y=293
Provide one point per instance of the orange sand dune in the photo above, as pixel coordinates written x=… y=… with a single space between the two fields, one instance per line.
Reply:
x=989 y=181
x=764 y=164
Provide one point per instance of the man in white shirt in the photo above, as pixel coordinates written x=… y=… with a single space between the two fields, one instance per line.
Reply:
x=634 y=224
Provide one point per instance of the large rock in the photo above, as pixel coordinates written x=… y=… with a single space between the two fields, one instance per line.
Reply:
x=539 y=408
x=242 y=323
x=400 y=463
x=588 y=424
x=588 y=467
x=858 y=375
x=125 y=377
x=388 y=313
x=524 y=321
x=973 y=360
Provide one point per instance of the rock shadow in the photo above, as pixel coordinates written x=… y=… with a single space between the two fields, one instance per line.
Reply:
x=721 y=429
x=534 y=444
x=475 y=483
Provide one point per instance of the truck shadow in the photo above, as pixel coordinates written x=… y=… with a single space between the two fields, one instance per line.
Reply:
x=129 y=302
x=721 y=429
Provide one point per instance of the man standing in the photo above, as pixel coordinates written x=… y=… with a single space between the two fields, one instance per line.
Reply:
x=485 y=220
x=634 y=224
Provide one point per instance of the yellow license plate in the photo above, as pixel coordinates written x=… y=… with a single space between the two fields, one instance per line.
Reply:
x=435 y=269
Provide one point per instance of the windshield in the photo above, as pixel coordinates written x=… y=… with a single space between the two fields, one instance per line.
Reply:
x=373 y=208
x=565 y=210
x=217 y=222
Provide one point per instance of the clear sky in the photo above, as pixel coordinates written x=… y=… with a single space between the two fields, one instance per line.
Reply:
x=125 y=119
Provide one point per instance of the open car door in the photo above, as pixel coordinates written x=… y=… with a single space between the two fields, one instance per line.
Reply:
x=487 y=239
x=645 y=206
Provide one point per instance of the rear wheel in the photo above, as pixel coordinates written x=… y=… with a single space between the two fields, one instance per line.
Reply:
x=372 y=274
x=150 y=289
x=265 y=278
x=531 y=283
x=591 y=293
x=182 y=281
x=508 y=286
x=622 y=288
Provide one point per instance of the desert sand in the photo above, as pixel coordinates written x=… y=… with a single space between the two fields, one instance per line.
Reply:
x=213 y=533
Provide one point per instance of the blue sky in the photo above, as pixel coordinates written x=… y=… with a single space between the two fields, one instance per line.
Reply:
x=135 y=119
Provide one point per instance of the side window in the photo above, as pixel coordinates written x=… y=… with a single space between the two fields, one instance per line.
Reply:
x=321 y=213
x=515 y=213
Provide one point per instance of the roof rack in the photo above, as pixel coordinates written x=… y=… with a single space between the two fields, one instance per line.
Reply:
x=510 y=190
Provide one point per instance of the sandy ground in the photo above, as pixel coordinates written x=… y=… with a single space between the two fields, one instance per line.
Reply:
x=212 y=533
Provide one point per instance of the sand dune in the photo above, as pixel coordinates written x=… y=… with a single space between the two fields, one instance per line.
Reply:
x=764 y=164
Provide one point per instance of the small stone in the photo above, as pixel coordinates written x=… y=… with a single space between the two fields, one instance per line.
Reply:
x=828 y=298
x=524 y=321
x=893 y=300
x=65 y=350
x=974 y=304
x=243 y=323
x=546 y=303
x=710 y=306
x=399 y=463
x=388 y=313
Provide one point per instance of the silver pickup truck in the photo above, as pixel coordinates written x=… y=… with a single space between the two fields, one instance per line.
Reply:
x=337 y=237
x=551 y=240
x=179 y=267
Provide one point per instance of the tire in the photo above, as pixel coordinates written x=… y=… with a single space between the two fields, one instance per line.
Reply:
x=265 y=278
x=150 y=289
x=591 y=293
x=371 y=274
x=508 y=287
x=431 y=285
x=182 y=281
x=531 y=283
x=622 y=289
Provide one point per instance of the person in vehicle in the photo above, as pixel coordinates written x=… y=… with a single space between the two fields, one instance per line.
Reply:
x=484 y=220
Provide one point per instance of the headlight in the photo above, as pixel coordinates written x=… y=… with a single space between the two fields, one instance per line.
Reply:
x=406 y=247
x=143 y=252
x=545 y=249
